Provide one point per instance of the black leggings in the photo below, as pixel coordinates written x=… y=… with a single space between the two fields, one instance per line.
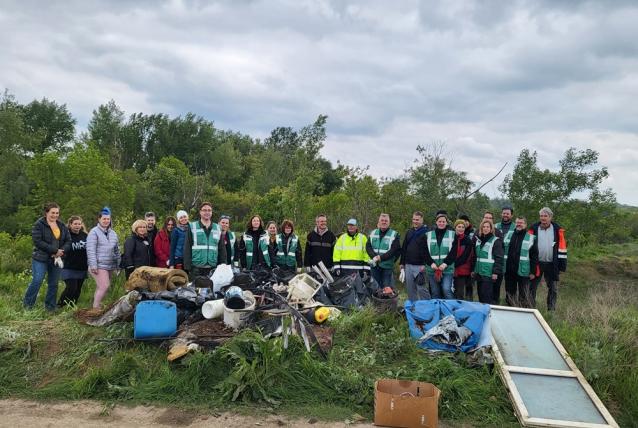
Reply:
x=71 y=292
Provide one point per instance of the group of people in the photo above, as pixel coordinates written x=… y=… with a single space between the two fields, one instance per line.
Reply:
x=446 y=261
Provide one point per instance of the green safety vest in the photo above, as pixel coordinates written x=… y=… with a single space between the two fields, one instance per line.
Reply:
x=382 y=246
x=204 y=249
x=523 y=260
x=263 y=247
x=484 y=257
x=439 y=253
x=232 y=239
x=287 y=258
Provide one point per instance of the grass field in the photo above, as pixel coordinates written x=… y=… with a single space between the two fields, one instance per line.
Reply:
x=47 y=356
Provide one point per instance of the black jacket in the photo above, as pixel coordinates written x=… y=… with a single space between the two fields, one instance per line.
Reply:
x=514 y=253
x=137 y=252
x=151 y=240
x=414 y=248
x=319 y=248
x=44 y=243
x=75 y=258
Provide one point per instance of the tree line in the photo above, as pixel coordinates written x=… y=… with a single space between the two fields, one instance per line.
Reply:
x=153 y=162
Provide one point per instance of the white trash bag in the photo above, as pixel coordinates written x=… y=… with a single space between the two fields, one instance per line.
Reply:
x=222 y=277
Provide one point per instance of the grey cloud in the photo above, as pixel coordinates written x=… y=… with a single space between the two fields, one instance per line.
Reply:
x=501 y=74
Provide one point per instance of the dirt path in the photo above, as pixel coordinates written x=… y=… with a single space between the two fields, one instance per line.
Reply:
x=91 y=414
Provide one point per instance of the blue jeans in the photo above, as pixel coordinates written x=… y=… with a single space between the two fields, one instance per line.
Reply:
x=383 y=277
x=39 y=270
x=442 y=290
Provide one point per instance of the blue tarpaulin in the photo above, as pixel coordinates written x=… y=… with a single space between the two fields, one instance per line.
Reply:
x=424 y=315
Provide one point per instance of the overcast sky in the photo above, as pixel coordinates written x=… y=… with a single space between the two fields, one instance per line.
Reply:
x=489 y=78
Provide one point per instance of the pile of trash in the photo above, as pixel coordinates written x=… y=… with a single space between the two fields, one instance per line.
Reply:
x=208 y=311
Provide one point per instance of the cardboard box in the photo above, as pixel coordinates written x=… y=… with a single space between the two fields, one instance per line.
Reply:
x=406 y=404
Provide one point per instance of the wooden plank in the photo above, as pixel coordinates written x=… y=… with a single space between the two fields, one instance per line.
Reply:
x=581 y=379
x=540 y=422
x=519 y=407
x=544 y=372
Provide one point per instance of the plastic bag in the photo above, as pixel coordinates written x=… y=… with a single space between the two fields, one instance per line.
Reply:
x=222 y=277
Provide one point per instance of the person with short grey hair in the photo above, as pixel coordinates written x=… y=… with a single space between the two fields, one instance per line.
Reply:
x=552 y=256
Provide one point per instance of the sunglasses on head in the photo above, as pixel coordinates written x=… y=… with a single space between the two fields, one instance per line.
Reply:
x=224 y=217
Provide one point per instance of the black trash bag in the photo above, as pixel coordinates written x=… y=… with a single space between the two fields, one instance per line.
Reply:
x=321 y=296
x=283 y=275
x=186 y=297
x=365 y=287
x=343 y=292
x=243 y=280
x=183 y=314
x=202 y=281
x=261 y=276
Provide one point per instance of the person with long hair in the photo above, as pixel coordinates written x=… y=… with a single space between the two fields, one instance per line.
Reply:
x=488 y=260
x=137 y=248
x=103 y=254
x=51 y=240
x=288 y=248
x=253 y=245
x=162 y=243
x=271 y=230
x=75 y=263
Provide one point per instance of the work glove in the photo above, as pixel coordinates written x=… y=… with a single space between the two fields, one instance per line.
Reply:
x=402 y=276
x=58 y=262
x=300 y=270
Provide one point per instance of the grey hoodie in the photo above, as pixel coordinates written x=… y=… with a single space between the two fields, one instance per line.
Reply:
x=102 y=250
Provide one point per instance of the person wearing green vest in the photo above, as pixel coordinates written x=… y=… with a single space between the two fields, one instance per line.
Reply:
x=230 y=242
x=521 y=261
x=505 y=225
x=439 y=258
x=496 y=286
x=384 y=248
x=253 y=245
x=203 y=246
x=288 y=248
x=350 y=253
x=488 y=260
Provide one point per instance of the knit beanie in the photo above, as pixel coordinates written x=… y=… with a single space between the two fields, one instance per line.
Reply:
x=181 y=213
x=459 y=221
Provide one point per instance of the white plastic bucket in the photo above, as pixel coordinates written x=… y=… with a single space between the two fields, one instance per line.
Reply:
x=213 y=309
x=237 y=319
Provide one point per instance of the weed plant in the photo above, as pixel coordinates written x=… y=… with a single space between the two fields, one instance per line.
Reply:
x=47 y=356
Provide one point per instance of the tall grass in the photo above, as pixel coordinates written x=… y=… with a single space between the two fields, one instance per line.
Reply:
x=52 y=356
